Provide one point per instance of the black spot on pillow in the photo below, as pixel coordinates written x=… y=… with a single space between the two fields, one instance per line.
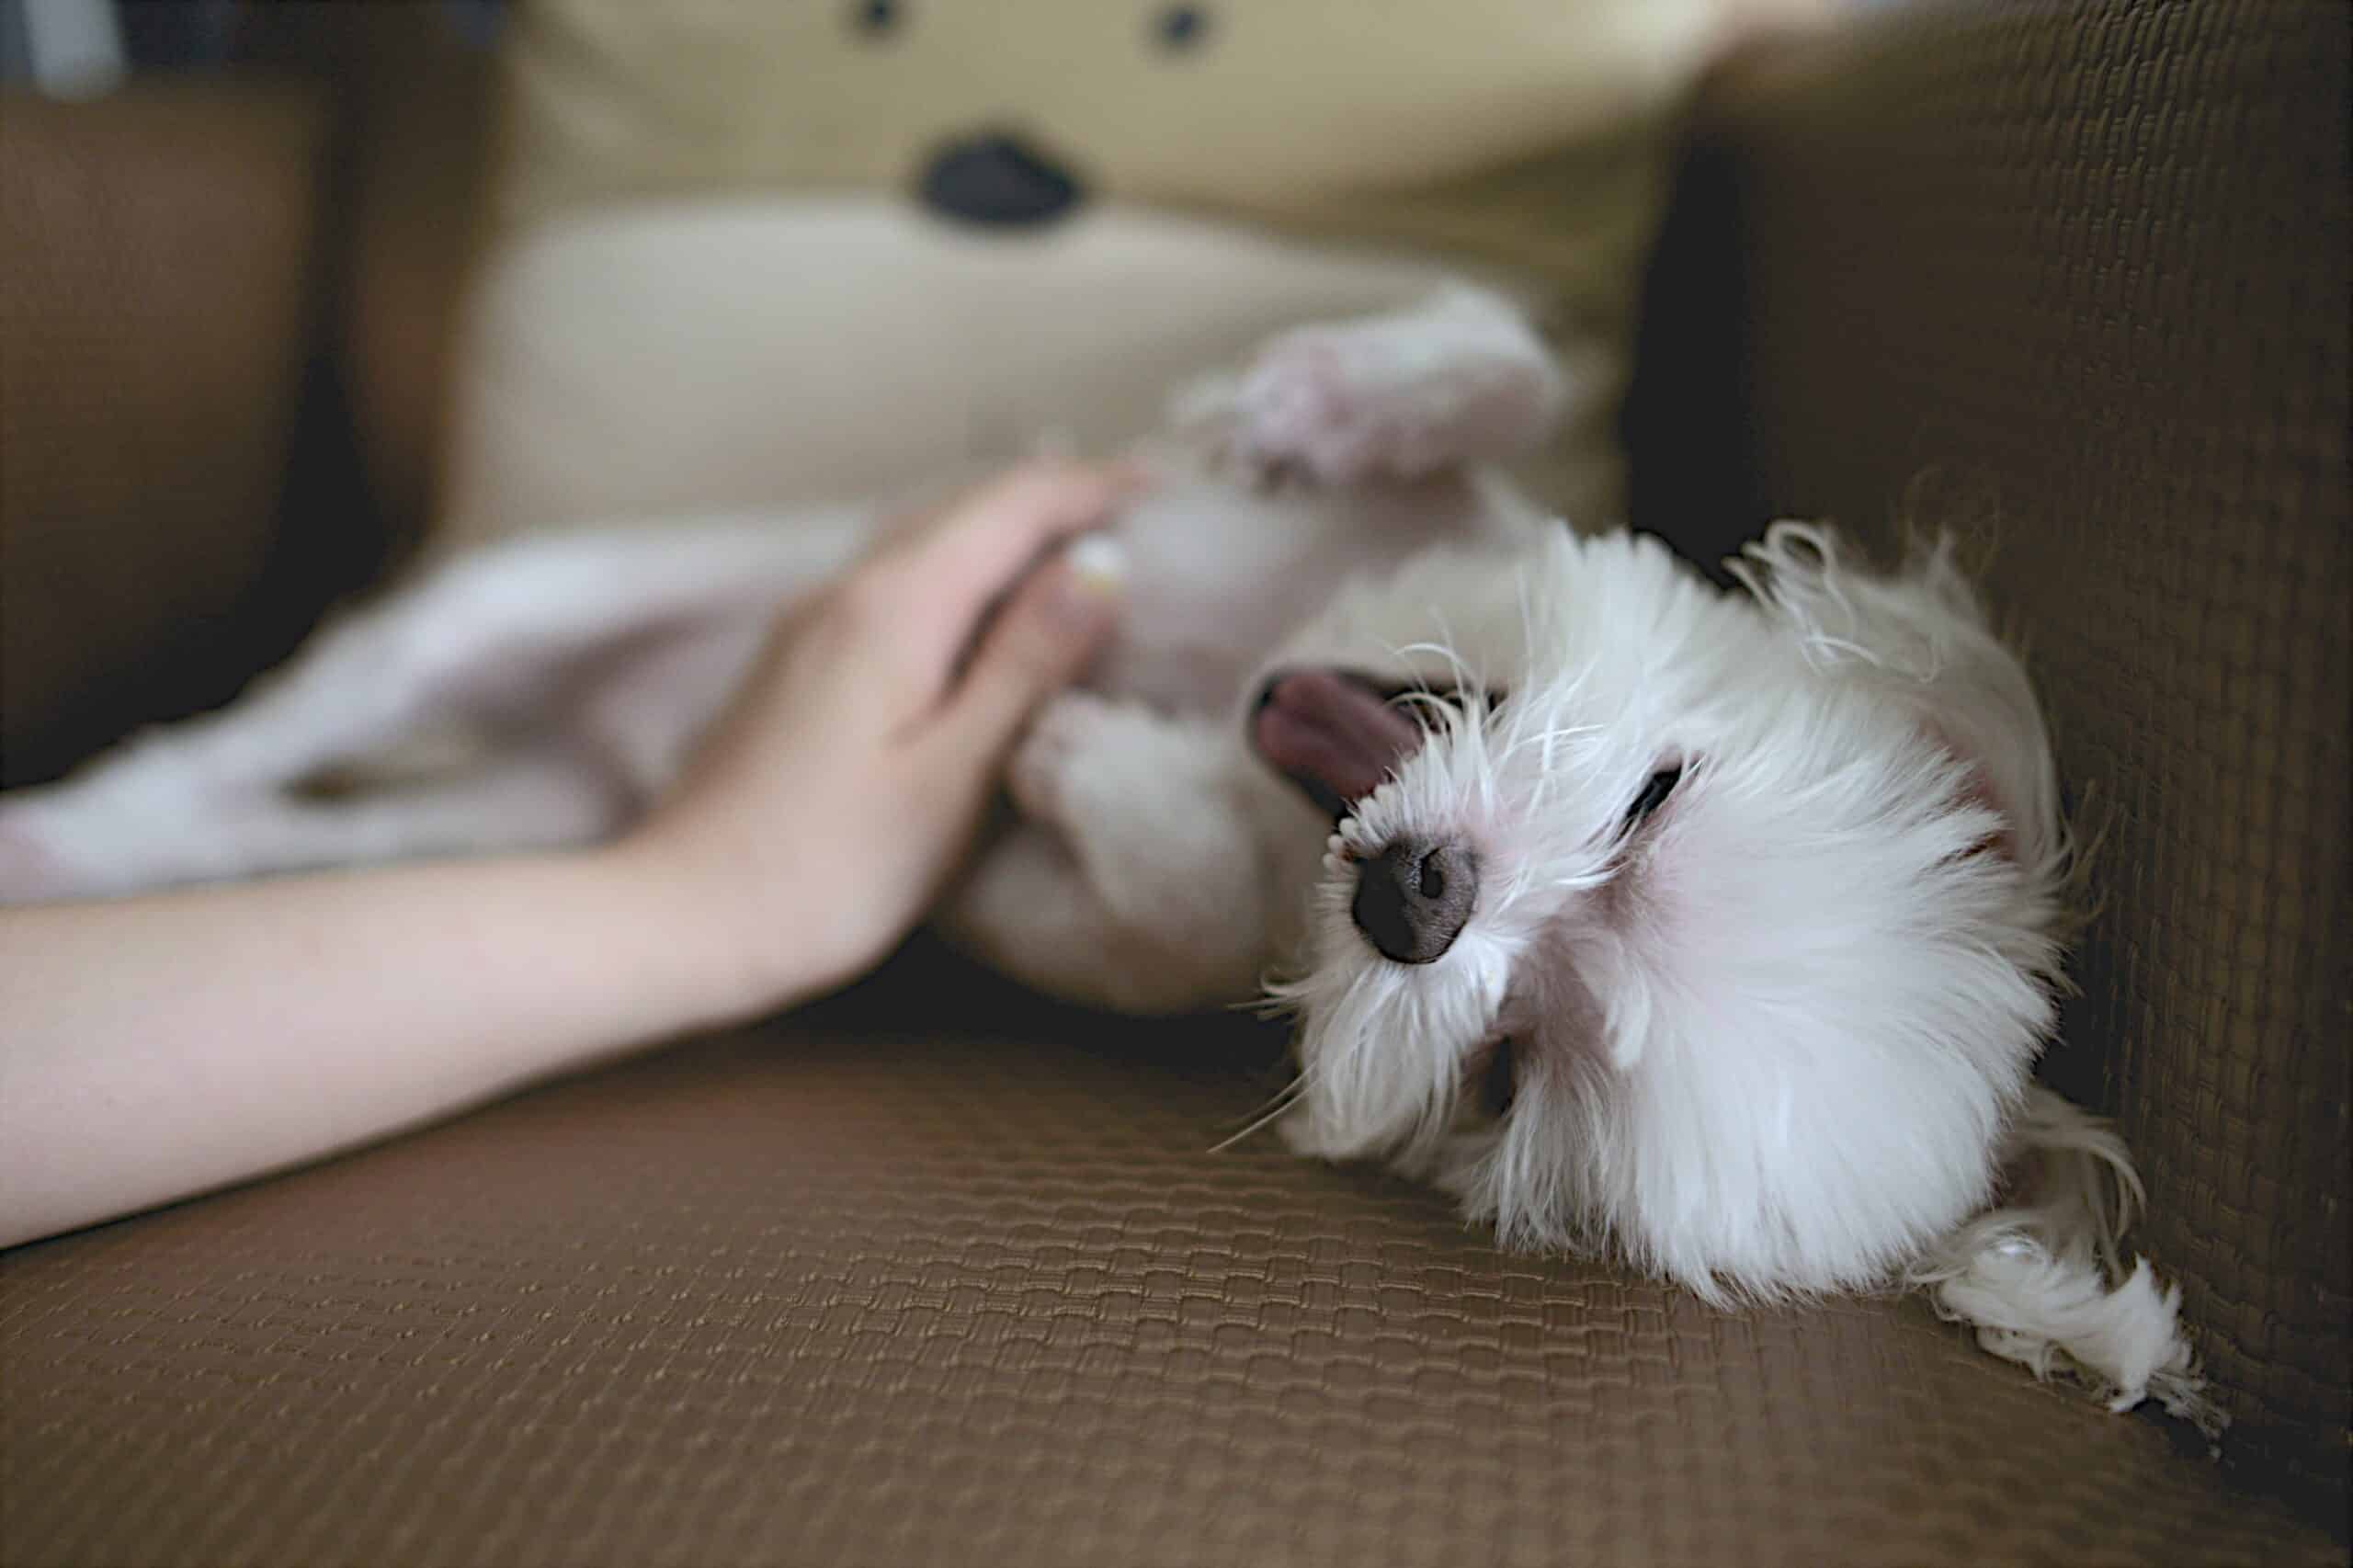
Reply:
x=876 y=19
x=1179 y=29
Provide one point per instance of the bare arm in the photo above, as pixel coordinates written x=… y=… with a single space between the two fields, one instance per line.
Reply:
x=154 y=1048
x=161 y=1045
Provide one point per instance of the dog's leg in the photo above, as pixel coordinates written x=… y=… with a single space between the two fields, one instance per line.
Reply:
x=488 y=639
x=538 y=798
x=1462 y=378
x=486 y=634
x=1135 y=879
x=2042 y=1277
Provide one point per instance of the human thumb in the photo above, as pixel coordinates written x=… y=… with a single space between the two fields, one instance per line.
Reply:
x=1039 y=643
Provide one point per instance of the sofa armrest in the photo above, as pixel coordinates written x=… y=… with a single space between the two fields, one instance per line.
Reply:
x=2074 y=283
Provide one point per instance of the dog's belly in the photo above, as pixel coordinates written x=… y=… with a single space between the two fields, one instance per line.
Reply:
x=1219 y=573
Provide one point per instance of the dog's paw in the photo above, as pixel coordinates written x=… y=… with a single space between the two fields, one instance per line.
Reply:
x=1399 y=397
x=1111 y=775
x=1046 y=777
x=1296 y=413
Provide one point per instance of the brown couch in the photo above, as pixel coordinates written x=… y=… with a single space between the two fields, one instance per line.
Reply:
x=938 y=1273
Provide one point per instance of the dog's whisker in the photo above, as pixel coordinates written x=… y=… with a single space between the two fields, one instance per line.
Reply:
x=1282 y=1102
x=1443 y=647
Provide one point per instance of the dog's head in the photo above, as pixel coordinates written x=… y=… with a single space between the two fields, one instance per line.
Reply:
x=1716 y=926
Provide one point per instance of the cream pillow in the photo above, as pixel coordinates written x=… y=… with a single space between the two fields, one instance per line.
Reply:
x=716 y=284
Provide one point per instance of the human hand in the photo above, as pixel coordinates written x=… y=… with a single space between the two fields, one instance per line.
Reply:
x=826 y=811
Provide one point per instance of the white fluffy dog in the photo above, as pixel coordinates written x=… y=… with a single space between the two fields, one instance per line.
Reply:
x=1722 y=929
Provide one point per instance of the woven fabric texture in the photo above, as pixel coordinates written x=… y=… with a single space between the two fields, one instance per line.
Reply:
x=873 y=1289
x=2073 y=281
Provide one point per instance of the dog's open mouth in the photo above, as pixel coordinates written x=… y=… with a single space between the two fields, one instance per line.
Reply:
x=1336 y=734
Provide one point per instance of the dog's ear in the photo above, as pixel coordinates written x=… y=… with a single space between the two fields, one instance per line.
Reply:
x=1921 y=636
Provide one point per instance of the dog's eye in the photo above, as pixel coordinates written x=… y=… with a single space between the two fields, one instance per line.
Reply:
x=1652 y=795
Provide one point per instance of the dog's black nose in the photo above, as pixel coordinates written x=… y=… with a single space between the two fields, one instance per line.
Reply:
x=999 y=180
x=1413 y=900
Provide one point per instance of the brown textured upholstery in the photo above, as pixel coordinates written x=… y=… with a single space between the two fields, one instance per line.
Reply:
x=2075 y=281
x=940 y=1273
x=878 y=1288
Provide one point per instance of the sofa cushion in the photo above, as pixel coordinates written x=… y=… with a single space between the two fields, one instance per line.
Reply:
x=942 y=1274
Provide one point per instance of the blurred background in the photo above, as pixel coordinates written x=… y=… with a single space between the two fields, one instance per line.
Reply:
x=79 y=48
x=415 y=238
x=241 y=233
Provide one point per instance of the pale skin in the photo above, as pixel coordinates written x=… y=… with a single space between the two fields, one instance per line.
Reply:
x=158 y=1047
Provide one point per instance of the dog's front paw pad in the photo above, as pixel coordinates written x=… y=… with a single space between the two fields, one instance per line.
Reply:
x=1305 y=406
x=1398 y=397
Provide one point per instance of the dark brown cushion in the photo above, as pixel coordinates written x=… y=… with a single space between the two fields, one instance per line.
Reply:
x=226 y=310
x=157 y=305
x=942 y=1274
x=2075 y=281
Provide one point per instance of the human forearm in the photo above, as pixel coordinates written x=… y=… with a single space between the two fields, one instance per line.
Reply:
x=151 y=1048
x=156 y=1048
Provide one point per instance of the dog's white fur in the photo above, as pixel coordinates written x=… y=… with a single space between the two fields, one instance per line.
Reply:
x=1773 y=1038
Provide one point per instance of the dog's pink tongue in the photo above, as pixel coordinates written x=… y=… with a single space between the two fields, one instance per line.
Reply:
x=1327 y=730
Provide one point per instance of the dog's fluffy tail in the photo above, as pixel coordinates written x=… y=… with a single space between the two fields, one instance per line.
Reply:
x=2043 y=1279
